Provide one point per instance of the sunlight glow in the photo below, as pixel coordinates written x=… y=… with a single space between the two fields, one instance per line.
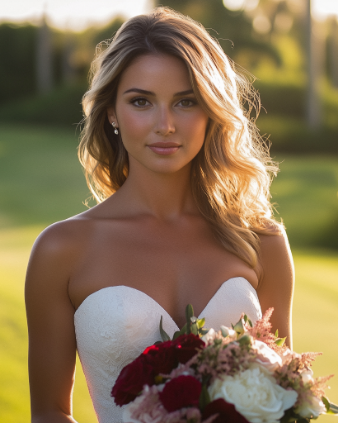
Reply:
x=79 y=14
x=71 y=14
x=234 y=4
x=323 y=8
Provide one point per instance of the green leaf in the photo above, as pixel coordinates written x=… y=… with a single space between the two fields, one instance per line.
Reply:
x=244 y=340
x=180 y=332
x=189 y=313
x=326 y=403
x=194 y=329
x=224 y=331
x=204 y=397
x=280 y=341
x=176 y=334
x=276 y=333
x=200 y=323
x=164 y=335
x=204 y=331
x=330 y=407
x=239 y=327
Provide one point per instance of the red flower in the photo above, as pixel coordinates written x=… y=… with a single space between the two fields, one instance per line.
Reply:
x=182 y=391
x=226 y=412
x=162 y=357
x=187 y=346
x=131 y=380
x=156 y=359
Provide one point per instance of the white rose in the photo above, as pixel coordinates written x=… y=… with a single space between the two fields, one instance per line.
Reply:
x=266 y=356
x=255 y=394
x=311 y=408
x=210 y=336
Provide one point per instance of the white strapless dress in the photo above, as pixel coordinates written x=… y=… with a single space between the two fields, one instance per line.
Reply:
x=115 y=324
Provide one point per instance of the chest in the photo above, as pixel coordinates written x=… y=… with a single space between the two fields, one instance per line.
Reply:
x=173 y=264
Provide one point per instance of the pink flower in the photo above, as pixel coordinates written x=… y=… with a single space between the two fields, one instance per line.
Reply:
x=266 y=356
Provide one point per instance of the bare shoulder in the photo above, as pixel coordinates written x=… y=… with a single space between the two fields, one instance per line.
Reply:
x=62 y=243
x=61 y=238
x=55 y=252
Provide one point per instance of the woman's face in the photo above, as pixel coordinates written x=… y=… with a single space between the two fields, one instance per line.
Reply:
x=161 y=124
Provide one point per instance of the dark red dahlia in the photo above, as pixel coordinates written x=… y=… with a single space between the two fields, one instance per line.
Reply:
x=226 y=412
x=162 y=357
x=156 y=359
x=187 y=346
x=131 y=381
x=182 y=391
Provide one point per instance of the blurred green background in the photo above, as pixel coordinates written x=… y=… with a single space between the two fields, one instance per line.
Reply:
x=43 y=75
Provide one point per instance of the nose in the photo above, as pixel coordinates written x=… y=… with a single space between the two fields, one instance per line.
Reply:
x=164 y=121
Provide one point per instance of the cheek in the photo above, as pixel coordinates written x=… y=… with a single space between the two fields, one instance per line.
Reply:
x=133 y=126
x=195 y=129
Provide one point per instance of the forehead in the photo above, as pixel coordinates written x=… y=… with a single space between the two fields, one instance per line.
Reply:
x=152 y=72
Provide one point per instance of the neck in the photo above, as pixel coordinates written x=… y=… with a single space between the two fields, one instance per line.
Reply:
x=164 y=196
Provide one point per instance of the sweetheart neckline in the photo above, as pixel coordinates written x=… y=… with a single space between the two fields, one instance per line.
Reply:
x=159 y=305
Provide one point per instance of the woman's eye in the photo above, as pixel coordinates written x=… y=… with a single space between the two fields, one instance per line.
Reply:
x=140 y=102
x=187 y=103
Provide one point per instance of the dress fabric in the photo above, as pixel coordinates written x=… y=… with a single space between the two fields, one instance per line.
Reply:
x=115 y=324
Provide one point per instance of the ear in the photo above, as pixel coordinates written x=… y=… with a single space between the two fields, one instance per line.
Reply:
x=111 y=115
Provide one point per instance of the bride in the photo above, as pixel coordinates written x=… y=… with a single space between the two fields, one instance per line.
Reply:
x=182 y=181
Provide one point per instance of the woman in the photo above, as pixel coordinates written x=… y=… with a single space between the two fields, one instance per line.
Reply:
x=189 y=222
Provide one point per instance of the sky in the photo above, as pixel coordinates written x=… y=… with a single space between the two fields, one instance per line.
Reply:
x=79 y=14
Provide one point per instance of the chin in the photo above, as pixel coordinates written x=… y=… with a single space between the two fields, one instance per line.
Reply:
x=162 y=165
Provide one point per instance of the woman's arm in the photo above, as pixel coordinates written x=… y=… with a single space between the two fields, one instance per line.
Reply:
x=50 y=317
x=275 y=288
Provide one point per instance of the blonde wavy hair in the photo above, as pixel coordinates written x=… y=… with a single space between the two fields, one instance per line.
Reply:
x=232 y=173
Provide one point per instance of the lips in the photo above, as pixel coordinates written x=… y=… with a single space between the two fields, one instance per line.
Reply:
x=164 y=148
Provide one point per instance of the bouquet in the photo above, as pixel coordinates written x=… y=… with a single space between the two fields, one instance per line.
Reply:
x=240 y=374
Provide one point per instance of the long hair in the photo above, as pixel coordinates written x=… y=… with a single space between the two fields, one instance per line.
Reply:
x=232 y=173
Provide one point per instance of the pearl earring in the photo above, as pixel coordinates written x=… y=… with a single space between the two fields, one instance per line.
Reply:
x=116 y=131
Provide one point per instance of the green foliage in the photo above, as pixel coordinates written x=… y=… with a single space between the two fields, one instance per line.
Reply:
x=282 y=99
x=239 y=327
x=233 y=30
x=280 y=342
x=17 y=70
x=108 y=31
x=165 y=337
x=305 y=194
x=41 y=178
x=62 y=106
x=192 y=325
x=289 y=135
x=204 y=399
x=330 y=408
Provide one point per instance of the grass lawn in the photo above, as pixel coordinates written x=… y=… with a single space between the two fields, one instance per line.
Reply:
x=41 y=182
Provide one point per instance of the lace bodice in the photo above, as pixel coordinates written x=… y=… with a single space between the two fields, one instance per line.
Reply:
x=115 y=324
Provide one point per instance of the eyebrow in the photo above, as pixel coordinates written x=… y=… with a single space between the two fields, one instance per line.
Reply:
x=145 y=92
